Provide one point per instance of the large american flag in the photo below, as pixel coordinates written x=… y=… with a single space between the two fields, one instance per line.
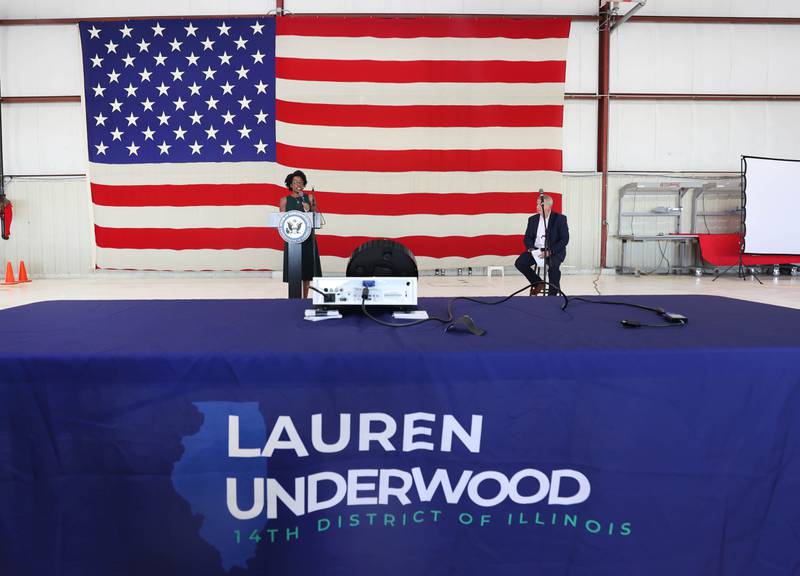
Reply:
x=434 y=131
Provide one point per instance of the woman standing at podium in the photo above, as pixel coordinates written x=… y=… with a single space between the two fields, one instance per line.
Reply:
x=299 y=200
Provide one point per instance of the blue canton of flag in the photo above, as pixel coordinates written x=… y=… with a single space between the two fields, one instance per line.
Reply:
x=179 y=90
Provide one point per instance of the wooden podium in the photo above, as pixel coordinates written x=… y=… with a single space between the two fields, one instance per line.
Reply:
x=295 y=227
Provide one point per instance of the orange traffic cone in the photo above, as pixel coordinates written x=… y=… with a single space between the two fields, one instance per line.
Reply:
x=23 y=273
x=9 y=274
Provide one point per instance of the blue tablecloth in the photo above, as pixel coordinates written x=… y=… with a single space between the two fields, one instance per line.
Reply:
x=135 y=436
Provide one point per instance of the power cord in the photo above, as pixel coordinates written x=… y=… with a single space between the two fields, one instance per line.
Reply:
x=705 y=222
x=365 y=297
x=328 y=298
x=671 y=319
x=596 y=281
x=451 y=320
x=475 y=300
x=663 y=258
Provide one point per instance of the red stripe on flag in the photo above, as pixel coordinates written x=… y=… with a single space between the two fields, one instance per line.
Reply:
x=420 y=71
x=341 y=246
x=188 y=195
x=418 y=160
x=433 y=247
x=409 y=116
x=428 y=27
x=329 y=202
x=188 y=238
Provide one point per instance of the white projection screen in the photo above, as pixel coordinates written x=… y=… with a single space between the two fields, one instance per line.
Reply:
x=772 y=196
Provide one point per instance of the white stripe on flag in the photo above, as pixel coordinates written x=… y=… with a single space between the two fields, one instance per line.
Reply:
x=347 y=138
x=420 y=93
x=408 y=49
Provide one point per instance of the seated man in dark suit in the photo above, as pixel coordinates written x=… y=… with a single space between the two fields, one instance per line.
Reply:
x=557 y=239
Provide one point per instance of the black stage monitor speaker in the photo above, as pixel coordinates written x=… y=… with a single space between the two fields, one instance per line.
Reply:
x=382 y=258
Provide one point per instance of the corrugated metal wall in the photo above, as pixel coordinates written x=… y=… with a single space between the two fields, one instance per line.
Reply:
x=52 y=228
x=581 y=205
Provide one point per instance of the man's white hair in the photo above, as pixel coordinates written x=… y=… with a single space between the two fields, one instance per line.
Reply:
x=548 y=200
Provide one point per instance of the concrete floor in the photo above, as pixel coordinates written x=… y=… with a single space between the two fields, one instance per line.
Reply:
x=782 y=291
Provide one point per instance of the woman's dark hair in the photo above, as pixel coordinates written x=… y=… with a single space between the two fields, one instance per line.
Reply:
x=291 y=176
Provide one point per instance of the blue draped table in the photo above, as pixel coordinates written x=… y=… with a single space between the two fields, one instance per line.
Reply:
x=117 y=453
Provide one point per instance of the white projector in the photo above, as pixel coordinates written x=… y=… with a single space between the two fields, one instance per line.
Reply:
x=380 y=291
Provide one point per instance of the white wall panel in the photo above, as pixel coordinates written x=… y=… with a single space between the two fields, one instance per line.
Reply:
x=120 y=8
x=443 y=6
x=44 y=139
x=706 y=58
x=699 y=136
x=582 y=58
x=645 y=57
x=580 y=135
x=736 y=8
x=40 y=60
x=632 y=135
x=52 y=229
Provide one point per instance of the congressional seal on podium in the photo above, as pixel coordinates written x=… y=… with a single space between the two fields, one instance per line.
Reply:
x=294 y=226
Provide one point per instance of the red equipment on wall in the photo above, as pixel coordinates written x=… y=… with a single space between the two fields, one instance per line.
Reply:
x=6 y=215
